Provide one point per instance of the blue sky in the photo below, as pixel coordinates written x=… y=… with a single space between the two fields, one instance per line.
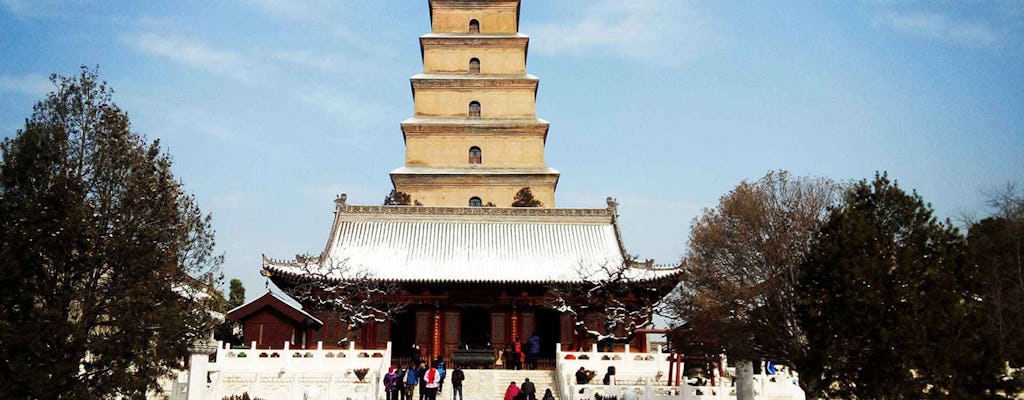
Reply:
x=272 y=108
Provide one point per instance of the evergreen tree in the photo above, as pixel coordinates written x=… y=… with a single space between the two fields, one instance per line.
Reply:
x=889 y=304
x=396 y=198
x=524 y=198
x=236 y=294
x=98 y=247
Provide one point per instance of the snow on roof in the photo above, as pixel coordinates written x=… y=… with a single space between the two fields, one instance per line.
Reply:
x=464 y=244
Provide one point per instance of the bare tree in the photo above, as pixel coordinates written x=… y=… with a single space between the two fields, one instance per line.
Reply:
x=742 y=268
x=353 y=295
x=610 y=301
x=996 y=245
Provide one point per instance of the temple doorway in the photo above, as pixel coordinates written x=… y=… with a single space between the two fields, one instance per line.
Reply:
x=476 y=327
x=549 y=328
x=403 y=334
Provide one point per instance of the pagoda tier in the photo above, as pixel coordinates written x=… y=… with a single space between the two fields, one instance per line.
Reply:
x=497 y=96
x=474 y=138
x=492 y=16
x=501 y=54
x=512 y=143
x=493 y=187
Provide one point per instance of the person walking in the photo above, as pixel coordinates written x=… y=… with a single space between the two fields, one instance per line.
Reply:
x=548 y=395
x=400 y=383
x=528 y=389
x=432 y=380
x=517 y=354
x=421 y=373
x=390 y=382
x=532 y=351
x=609 y=377
x=512 y=391
x=439 y=364
x=581 y=376
x=457 y=377
x=411 y=380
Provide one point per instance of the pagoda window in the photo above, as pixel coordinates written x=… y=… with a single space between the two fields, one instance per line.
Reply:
x=474 y=109
x=475 y=202
x=474 y=26
x=474 y=66
x=475 y=156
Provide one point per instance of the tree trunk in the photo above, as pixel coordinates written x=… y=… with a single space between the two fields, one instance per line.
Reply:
x=744 y=380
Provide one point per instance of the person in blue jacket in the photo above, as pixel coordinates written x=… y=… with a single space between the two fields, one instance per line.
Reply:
x=411 y=380
x=532 y=351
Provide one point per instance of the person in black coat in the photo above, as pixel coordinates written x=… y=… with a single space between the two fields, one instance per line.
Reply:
x=421 y=371
x=528 y=389
x=581 y=376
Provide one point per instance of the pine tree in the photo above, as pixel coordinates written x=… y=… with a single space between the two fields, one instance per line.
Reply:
x=99 y=245
x=524 y=198
x=889 y=304
x=236 y=293
x=396 y=198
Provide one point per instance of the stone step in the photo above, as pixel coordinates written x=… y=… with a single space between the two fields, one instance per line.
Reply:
x=490 y=384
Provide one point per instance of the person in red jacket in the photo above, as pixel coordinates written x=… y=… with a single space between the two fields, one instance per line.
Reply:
x=512 y=391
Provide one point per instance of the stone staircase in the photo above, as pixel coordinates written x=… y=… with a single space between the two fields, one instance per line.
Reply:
x=490 y=384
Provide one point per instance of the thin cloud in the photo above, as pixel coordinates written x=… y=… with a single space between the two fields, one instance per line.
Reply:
x=941 y=27
x=309 y=59
x=349 y=106
x=645 y=31
x=31 y=8
x=350 y=110
x=299 y=9
x=32 y=85
x=192 y=53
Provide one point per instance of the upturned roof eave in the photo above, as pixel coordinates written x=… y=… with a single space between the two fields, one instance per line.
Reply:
x=276 y=273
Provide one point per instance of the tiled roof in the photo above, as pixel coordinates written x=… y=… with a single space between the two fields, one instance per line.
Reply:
x=295 y=312
x=457 y=244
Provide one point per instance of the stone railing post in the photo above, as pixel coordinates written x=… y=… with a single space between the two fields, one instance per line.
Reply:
x=199 y=367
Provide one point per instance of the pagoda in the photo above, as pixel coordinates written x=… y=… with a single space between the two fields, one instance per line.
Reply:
x=475 y=137
x=473 y=270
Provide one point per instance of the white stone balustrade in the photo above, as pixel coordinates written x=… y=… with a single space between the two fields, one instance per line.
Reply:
x=306 y=374
x=646 y=374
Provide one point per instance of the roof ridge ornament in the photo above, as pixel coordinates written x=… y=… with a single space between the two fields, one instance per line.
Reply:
x=340 y=200
x=613 y=204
